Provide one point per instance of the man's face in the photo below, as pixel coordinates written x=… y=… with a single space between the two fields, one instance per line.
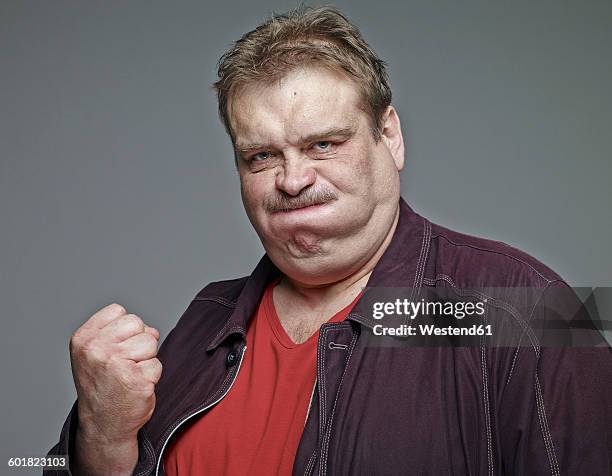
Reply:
x=320 y=192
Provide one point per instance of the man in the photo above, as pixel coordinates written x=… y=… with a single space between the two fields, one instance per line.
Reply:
x=281 y=371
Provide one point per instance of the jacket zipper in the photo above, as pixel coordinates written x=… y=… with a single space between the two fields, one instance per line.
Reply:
x=161 y=453
x=310 y=402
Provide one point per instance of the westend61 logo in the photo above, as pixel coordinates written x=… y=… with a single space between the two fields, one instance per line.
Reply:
x=429 y=309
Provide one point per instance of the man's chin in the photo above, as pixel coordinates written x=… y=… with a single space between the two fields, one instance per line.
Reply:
x=304 y=244
x=288 y=246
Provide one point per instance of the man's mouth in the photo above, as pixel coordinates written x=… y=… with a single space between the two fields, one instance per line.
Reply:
x=299 y=208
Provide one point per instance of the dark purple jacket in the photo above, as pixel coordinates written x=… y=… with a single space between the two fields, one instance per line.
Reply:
x=379 y=409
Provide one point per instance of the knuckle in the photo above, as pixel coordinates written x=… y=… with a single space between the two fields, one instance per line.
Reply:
x=156 y=366
x=96 y=353
x=74 y=342
x=74 y=348
x=78 y=336
x=135 y=320
x=127 y=378
x=118 y=308
x=130 y=322
x=116 y=365
x=79 y=342
x=150 y=341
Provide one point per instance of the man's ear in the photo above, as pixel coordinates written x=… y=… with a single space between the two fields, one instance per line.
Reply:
x=391 y=134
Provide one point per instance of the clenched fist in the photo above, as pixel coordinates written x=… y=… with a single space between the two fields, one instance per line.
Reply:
x=115 y=371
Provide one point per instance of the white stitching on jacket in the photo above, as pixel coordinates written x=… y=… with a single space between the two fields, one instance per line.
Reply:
x=548 y=442
x=327 y=436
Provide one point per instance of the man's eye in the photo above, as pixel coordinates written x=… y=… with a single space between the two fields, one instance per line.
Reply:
x=323 y=145
x=260 y=156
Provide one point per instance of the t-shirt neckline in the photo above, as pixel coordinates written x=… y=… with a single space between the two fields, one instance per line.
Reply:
x=279 y=331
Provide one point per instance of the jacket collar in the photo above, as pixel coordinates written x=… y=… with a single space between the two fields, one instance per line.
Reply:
x=401 y=265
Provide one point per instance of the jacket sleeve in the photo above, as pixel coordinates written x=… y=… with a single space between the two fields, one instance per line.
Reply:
x=65 y=446
x=555 y=411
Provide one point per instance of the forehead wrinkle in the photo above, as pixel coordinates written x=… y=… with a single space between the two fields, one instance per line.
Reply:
x=258 y=130
x=308 y=121
x=291 y=111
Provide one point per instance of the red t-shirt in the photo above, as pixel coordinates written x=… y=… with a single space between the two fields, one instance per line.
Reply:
x=257 y=427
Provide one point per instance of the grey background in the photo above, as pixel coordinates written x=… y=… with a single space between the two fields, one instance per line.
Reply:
x=117 y=181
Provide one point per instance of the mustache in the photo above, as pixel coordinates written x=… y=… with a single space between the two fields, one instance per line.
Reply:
x=283 y=202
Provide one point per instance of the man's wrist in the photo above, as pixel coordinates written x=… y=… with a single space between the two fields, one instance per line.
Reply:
x=98 y=454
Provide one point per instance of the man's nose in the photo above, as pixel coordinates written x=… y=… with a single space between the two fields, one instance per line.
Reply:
x=295 y=175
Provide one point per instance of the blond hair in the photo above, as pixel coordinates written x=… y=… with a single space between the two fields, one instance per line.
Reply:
x=304 y=36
